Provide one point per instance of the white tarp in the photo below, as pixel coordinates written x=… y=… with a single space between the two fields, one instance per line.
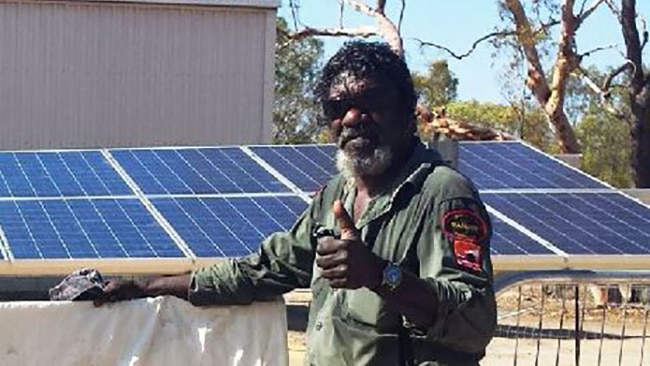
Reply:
x=161 y=331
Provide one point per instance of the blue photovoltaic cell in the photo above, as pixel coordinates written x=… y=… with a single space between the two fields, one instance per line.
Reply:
x=309 y=167
x=506 y=240
x=512 y=165
x=83 y=228
x=56 y=174
x=229 y=227
x=196 y=171
x=586 y=223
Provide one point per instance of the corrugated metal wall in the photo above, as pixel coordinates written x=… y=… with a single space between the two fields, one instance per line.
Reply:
x=80 y=74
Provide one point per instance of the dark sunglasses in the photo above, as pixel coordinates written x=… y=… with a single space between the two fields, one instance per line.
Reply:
x=336 y=108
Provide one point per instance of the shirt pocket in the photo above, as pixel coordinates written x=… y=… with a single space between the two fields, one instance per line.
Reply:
x=366 y=309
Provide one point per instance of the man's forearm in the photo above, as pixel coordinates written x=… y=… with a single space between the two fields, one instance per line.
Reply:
x=177 y=285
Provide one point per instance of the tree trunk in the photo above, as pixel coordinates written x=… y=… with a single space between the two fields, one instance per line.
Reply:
x=552 y=105
x=550 y=97
x=565 y=63
x=563 y=130
x=640 y=136
x=639 y=96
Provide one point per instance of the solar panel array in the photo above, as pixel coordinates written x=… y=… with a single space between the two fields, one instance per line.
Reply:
x=559 y=207
x=140 y=203
x=186 y=204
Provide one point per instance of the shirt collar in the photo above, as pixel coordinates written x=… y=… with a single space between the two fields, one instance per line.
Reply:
x=413 y=174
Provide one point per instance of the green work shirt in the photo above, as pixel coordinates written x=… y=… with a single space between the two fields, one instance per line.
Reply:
x=431 y=222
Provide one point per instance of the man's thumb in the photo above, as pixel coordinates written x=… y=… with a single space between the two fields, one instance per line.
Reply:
x=345 y=222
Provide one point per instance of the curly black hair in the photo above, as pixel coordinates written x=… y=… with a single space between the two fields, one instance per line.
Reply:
x=369 y=60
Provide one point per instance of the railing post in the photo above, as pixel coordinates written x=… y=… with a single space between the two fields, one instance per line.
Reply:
x=578 y=336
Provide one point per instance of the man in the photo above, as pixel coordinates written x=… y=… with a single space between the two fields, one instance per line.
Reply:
x=395 y=247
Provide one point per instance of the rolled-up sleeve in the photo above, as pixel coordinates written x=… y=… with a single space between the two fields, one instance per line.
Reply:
x=283 y=263
x=454 y=258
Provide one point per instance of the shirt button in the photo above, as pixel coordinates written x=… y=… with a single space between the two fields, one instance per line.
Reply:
x=319 y=325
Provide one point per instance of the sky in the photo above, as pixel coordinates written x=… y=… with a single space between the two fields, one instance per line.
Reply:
x=457 y=24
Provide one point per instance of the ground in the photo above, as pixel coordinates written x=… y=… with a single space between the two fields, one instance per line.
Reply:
x=611 y=336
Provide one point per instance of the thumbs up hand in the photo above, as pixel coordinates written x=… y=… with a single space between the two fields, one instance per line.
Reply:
x=347 y=262
x=345 y=222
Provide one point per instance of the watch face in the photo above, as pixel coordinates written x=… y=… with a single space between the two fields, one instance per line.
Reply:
x=393 y=275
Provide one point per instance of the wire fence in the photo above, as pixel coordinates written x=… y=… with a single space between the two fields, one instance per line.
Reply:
x=571 y=318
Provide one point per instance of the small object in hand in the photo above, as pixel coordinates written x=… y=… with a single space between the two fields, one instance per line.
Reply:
x=322 y=231
x=80 y=285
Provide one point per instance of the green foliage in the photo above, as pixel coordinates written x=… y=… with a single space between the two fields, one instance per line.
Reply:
x=580 y=98
x=295 y=114
x=438 y=86
x=525 y=121
x=605 y=148
x=605 y=139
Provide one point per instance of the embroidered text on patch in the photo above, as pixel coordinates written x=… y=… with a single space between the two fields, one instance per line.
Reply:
x=464 y=224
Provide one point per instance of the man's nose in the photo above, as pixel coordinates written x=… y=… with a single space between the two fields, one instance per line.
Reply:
x=352 y=117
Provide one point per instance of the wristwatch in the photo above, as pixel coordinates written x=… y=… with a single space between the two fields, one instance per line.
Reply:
x=392 y=276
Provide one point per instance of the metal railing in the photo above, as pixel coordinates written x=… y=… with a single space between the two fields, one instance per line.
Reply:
x=571 y=318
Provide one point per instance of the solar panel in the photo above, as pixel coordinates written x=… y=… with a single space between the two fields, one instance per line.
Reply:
x=56 y=174
x=506 y=240
x=83 y=228
x=182 y=203
x=196 y=171
x=229 y=226
x=513 y=165
x=309 y=167
x=585 y=223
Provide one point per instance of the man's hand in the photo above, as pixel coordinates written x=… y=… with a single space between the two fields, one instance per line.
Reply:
x=121 y=290
x=347 y=262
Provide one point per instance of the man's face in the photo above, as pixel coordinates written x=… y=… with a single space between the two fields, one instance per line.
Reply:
x=368 y=121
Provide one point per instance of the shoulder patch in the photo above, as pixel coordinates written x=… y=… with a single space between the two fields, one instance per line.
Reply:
x=464 y=224
x=468 y=254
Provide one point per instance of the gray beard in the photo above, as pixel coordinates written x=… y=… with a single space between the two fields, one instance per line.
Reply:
x=356 y=166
